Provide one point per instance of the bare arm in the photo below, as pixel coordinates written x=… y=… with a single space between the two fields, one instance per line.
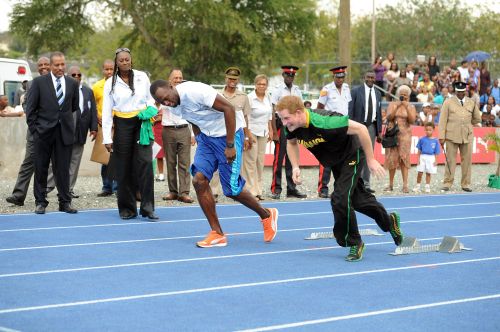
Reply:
x=292 y=150
x=222 y=105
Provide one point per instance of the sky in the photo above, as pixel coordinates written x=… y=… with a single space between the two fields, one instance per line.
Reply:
x=358 y=7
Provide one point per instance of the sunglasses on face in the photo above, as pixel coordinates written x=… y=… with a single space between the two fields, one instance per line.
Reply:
x=122 y=49
x=76 y=75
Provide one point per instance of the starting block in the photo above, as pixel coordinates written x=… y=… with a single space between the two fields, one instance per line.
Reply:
x=411 y=245
x=329 y=235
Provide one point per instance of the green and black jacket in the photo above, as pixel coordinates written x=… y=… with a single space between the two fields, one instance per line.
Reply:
x=325 y=135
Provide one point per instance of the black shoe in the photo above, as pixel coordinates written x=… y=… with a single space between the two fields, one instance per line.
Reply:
x=323 y=195
x=67 y=208
x=295 y=193
x=356 y=253
x=73 y=195
x=445 y=189
x=128 y=215
x=370 y=190
x=467 y=189
x=275 y=196
x=40 y=209
x=395 y=230
x=15 y=201
x=150 y=215
x=104 y=194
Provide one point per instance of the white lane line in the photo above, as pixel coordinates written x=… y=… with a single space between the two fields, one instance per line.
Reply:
x=372 y=313
x=197 y=259
x=201 y=236
x=265 y=203
x=243 y=285
x=6 y=329
x=145 y=223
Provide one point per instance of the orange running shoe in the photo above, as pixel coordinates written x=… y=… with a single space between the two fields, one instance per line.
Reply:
x=213 y=239
x=270 y=225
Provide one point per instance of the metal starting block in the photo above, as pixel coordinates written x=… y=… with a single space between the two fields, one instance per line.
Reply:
x=411 y=245
x=329 y=235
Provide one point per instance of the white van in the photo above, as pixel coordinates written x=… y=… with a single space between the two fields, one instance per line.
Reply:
x=12 y=73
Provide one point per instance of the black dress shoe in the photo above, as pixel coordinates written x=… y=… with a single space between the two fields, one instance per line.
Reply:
x=104 y=194
x=323 y=195
x=150 y=215
x=73 y=195
x=128 y=215
x=40 y=209
x=370 y=190
x=295 y=193
x=67 y=208
x=275 y=196
x=445 y=189
x=467 y=189
x=15 y=201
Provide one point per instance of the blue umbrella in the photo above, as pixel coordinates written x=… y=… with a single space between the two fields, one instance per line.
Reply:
x=478 y=56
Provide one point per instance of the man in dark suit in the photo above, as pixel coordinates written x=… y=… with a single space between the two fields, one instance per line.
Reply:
x=365 y=107
x=85 y=120
x=52 y=99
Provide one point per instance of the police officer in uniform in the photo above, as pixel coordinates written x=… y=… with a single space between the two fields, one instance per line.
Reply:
x=334 y=97
x=458 y=117
x=287 y=88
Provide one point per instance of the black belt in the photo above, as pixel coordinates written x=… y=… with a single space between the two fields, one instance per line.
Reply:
x=177 y=126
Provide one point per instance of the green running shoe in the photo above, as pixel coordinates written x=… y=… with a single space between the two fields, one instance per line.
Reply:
x=356 y=253
x=395 y=231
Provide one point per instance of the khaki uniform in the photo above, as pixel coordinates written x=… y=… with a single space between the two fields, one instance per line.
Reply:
x=241 y=104
x=456 y=128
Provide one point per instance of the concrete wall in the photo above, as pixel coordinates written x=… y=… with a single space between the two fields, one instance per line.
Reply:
x=13 y=148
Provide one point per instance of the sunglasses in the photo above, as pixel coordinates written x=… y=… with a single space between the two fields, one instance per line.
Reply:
x=289 y=74
x=122 y=49
x=76 y=75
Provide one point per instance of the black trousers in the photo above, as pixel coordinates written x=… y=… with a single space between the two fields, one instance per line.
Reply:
x=132 y=167
x=279 y=155
x=26 y=170
x=47 y=145
x=350 y=195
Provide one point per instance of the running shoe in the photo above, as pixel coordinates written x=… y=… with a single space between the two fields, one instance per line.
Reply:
x=270 y=225
x=213 y=239
x=395 y=231
x=356 y=253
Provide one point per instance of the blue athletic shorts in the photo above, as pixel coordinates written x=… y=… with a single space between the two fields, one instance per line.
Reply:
x=210 y=156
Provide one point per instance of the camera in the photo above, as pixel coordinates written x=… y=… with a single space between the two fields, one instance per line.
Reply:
x=402 y=98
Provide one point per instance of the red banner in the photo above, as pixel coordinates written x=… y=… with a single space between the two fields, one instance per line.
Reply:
x=480 y=153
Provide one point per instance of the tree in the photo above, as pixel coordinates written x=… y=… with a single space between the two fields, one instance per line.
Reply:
x=201 y=36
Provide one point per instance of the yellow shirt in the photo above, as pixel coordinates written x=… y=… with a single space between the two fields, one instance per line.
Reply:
x=98 y=89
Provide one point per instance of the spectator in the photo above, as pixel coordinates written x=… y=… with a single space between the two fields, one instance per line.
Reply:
x=459 y=115
x=485 y=117
x=491 y=102
x=426 y=114
x=483 y=100
x=495 y=91
x=439 y=99
x=409 y=71
x=128 y=106
x=428 y=149
x=157 y=131
x=433 y=67
x=453 y=64
x=20 y=94
x=424 y=95
x=474 y=76
x=379 y=70
x=472 y=94
x=484 y=78
x=456 y=76
x=388 y=61
x=259 y=124
x=436 y=113
x=403 y=114
x=7 y=111
x=464 y=71
x=401 y=80
x=391 y=76
x=307 y=104
x=497 y=119
x=426 y=82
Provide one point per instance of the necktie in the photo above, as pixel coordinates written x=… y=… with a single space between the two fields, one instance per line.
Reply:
x=462 y=102
x=59 y=92
x=370 y=109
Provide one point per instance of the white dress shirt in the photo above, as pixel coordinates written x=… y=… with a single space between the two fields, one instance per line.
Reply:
x=374 y=102
x=122 y=100
x=335 y=101
x=261 y=114
x=282 y=90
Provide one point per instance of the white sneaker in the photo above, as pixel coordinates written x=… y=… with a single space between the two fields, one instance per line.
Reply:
x=416 y=188
x=427 y=188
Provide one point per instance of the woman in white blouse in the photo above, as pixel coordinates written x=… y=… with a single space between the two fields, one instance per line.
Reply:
x=259 y=124
x=127 y=107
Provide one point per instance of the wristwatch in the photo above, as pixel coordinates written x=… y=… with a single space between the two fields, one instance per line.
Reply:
x=230 y=145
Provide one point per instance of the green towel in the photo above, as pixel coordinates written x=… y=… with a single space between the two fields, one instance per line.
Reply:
x=146 y=135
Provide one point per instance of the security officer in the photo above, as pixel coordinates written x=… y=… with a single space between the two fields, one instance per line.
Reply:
x=287 y=88
x=241 y=103
x=334 y=97
x=458 y=117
